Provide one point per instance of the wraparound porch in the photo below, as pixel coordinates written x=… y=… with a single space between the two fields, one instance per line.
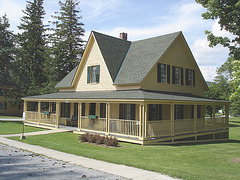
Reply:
x=133 y=121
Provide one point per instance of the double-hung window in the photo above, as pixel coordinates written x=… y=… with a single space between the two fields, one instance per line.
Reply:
x=3 y=105
x=176 y=75
x=93 y=73
x=190 y=77
x=163 y=73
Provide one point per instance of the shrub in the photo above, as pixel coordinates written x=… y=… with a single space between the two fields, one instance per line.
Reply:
x=92 y=138
x=100 y=139
x=84 y=137
x=96 y=138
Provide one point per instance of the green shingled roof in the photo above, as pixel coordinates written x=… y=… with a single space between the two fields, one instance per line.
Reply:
x=142 y=56
x=127 y=62
x=125 y=94
x=113 y=51
x=67 y=80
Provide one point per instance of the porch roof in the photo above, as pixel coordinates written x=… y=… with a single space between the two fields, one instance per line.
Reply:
x=124 y=94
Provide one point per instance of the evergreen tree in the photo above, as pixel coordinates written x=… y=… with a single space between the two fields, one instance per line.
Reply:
x=28 y=76
x=68 y=46
x=7 y=50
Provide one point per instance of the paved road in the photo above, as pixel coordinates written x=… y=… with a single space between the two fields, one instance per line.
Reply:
x=19 y=164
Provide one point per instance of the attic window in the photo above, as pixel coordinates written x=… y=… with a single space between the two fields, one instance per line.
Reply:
x=93 y=73
x=190 y=77
x=163 y=73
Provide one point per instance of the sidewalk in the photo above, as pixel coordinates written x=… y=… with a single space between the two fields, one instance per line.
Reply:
x=115 y=169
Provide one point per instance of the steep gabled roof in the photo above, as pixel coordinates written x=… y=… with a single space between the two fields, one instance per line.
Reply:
x=66 y=82
x=142 y=56
x=113 y=51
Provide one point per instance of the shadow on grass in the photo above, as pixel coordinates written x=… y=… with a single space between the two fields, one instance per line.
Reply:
x=234 y=125
x=201 y=143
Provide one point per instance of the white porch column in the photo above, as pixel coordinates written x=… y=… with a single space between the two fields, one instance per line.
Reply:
x=71 y=110
x=145 y=120
x=79 y=116
x=108 y=118
x=39 y=112
x=172 y=120
x=195 y=119
x=140 y=121
x=57 y=114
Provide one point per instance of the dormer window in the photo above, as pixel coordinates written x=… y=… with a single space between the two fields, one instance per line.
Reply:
x=93 y=73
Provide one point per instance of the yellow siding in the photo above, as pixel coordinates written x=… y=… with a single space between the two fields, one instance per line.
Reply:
x=92 y=58
x=177 y=55
x=11 y=110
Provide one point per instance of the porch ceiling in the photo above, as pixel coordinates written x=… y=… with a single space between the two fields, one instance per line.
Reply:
x=124 y=94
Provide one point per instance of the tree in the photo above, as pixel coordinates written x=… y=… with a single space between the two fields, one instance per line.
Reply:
x=227 y=12
x=28 y=76
x=68 y=45
x=7 y=50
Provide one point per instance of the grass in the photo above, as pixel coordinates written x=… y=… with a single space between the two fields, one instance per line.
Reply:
x=15 y=127
x=192 y=161
x=10 y=117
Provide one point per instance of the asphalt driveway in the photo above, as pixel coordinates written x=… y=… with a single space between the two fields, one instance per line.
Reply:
x=19 y=164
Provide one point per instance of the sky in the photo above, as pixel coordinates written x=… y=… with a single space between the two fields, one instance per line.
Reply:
x=140 y=19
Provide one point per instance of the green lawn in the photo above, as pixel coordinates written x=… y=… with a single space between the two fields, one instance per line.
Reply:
x=15 y=127
x=10 y=117
x=195 y=161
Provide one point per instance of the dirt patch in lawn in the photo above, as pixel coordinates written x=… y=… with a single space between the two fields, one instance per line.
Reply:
x=236 y=160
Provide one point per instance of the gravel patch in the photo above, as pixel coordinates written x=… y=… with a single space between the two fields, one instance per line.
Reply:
x=19 y=164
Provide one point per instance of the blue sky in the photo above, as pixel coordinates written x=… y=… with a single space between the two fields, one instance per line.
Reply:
x=141 y=19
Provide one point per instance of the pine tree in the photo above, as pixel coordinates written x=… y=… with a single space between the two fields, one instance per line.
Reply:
x=7 y=50
x=68 y=46
x=28 y=74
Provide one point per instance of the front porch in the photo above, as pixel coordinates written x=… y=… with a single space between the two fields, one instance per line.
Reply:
x=141 y=122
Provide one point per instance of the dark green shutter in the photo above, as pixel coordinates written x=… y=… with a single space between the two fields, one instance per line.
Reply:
x=168 y=74
x=97 y=73
x=173 y=74
x=182 y=79
x=158 y=72
x=88 y=74
x=193 y=78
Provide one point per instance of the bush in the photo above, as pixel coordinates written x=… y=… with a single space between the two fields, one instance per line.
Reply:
x=96 y=138
x=84 y=137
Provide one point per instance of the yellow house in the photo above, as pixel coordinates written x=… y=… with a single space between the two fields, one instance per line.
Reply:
x=149 y=91
x=5 y=108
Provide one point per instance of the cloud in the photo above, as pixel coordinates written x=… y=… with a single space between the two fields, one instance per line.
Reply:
x=14 y=11
x=181 y=17
x=209 y=72
x=99 y=8
x=207 y=56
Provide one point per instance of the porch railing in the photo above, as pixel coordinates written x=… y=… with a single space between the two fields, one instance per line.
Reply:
x=93 y=124
x=159 y=128
x=32 y=116
x=125 y=127
x=182 y=126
